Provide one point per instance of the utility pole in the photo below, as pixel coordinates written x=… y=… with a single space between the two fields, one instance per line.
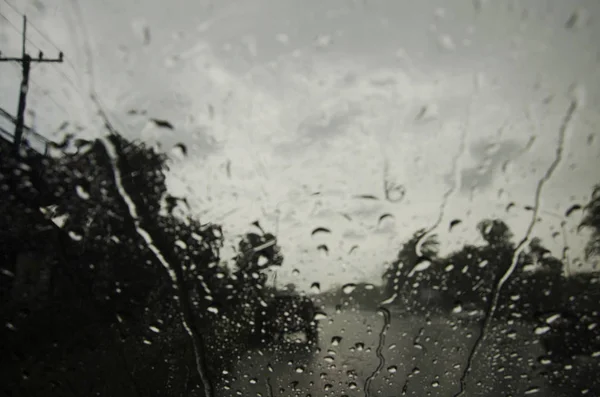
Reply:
x=25 y=61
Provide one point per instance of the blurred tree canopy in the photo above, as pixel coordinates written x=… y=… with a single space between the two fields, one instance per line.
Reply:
x=592 y=221
x=90 y=289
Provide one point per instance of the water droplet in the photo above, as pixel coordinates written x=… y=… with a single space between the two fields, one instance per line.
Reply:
x=541 y=330
x=75 y=236
x=384 y=217
x=532 y=390
x=544 y=360
x=422 y=265
x=390 y=299
x=296 y=272
x=315 y=288
x=572 y=209
x=213 y=309
x=435 y=383
x=335 y=341
x=299 y=370
x=154 y=329
x=446 y=42
x=323 y=41
x=320 y=230
x=141 y=30
x=359 y=346
x=263 y=261
x=320 y=316
x=552 y=318
x=394 y=192
x=82 y=193
x=352 y=385
x=457 y=308
x=348 y=288
x=573 y=20
x=328 y=387
x=329 y=359
x=253 y=381
x=454 y=223
x=392 y=369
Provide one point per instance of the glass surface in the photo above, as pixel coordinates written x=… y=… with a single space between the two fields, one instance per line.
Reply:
x=300 y=198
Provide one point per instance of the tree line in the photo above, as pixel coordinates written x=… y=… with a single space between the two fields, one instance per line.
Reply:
x=104 y=289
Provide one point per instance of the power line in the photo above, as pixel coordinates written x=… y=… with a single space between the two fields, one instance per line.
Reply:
x=66 y=78
x=93 y=95
x=47 y=93
x=34 y=27
x=11 y=24
x=25 y=60
x=63 y=75
x=41 y=89
x=45 y=36
x=16 y=68
x=19 y=30
x=13 y=7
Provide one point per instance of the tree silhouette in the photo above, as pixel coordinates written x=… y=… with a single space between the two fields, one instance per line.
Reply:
x=103 y=300
x=592 y=221
x=396 y=275
x=558 y=309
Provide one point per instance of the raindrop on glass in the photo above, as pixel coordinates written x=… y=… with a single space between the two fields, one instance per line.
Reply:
x=348 y=288
x=315 y=288
x=532 y=390
x=320 y=316
x=541 y=330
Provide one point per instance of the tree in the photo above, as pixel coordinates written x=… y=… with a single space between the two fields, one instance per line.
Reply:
x=592 y=221
x=397 y=273
x=108 y=291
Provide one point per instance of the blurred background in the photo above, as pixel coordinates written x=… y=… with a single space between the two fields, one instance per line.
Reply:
x=301 y=197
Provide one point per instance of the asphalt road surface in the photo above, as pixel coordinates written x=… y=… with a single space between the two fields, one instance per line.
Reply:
x=419 y=356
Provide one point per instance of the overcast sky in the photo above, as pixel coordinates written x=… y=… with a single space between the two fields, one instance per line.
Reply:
x=297 y=97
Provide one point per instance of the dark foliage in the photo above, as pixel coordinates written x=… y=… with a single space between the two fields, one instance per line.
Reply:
x=87 y=297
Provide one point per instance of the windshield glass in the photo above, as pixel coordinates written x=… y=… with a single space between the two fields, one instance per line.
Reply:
x=299 y=198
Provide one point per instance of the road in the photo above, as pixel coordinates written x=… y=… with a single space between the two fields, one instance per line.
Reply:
x=421 y=357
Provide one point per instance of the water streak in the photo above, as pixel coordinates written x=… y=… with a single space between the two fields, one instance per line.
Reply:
x=456 y=171
x=386 y=324
x=269 y=387
x=200 y=364
x=522 y=244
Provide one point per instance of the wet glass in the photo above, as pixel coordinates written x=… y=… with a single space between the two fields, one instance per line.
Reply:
x=299 y=198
